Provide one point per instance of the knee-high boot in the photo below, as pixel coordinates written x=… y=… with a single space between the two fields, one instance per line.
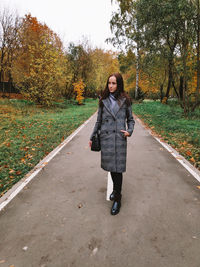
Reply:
x=117 y=184
x=116 y=194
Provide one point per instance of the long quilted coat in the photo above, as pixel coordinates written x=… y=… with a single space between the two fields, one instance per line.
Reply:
x=113 y=142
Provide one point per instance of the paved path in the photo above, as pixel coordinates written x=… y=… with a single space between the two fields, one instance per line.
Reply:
x=62 y=217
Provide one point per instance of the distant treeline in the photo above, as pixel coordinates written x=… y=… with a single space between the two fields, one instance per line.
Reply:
x=34 y=61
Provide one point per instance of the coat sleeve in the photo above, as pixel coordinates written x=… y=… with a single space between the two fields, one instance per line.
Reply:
x=97 y=125
x=130 y=120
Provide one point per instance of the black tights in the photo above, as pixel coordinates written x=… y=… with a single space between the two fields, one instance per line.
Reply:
x=117 y=181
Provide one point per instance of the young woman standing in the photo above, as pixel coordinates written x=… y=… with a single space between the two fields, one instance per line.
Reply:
x=113 y=114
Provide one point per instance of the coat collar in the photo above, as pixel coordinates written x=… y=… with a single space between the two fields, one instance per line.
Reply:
x=114 y=112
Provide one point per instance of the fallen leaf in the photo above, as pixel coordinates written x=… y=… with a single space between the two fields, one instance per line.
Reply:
x=18 y=172
x=189 y=153
x=198 y=186
x=192 y=159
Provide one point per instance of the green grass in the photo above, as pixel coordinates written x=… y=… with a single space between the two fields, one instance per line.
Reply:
x=169 y=122
x=28 y=133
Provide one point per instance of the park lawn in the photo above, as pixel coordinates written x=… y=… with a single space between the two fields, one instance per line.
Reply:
x=29 y=132
x=169 y=123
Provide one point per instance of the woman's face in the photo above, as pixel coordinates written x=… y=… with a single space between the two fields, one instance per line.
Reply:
x=112 y=84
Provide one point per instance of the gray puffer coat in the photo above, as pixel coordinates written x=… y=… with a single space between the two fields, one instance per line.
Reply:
x=113 y=142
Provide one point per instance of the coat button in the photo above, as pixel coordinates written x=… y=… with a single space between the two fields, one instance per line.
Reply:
x=107 y=132
x=113 y=131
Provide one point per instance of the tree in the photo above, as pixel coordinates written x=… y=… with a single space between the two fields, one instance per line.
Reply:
x=9 y=25
x=124 y=26
x=39 y=71
x=78 y=89
x=80 y=63
x=164 y=28
x=104 y=63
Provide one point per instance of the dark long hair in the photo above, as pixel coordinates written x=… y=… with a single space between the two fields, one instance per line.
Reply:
x=119 y=93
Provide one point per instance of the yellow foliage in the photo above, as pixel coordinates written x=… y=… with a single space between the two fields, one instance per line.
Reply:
x=103 y=64
x=40 y=65
x=164 y=101
x=79 y=88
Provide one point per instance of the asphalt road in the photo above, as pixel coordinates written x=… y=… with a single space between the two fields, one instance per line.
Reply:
x=62 y=218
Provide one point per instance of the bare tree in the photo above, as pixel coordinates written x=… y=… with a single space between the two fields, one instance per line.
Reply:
x=9 y=25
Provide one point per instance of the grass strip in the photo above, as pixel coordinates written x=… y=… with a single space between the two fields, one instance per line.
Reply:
x=28 y=133
x=168 y=122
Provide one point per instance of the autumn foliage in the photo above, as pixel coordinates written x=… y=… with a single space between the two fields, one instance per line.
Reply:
x=34 y=59
x=78 y=89
x=39 y=70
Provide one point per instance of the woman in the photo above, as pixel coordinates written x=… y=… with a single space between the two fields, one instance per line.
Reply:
x=113 y=113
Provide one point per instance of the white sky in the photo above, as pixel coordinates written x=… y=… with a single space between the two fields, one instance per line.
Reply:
x=70 y=19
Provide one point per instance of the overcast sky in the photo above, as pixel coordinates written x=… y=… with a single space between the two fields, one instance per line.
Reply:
x=71 y=19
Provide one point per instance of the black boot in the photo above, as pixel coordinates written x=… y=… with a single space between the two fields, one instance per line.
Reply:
x=112 y=196
x=116 y=204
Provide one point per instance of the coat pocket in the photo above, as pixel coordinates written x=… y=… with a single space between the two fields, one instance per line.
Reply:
x=121 y=134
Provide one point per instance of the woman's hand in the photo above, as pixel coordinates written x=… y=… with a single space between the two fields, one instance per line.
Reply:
x=90 y=143
x=125 y=133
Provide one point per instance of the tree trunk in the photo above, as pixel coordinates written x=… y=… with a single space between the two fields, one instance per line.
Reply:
x=186 y=104
x=2 y=65
x=181 y=88
x=161 y=93
x=170 y=76
x=137 y=73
